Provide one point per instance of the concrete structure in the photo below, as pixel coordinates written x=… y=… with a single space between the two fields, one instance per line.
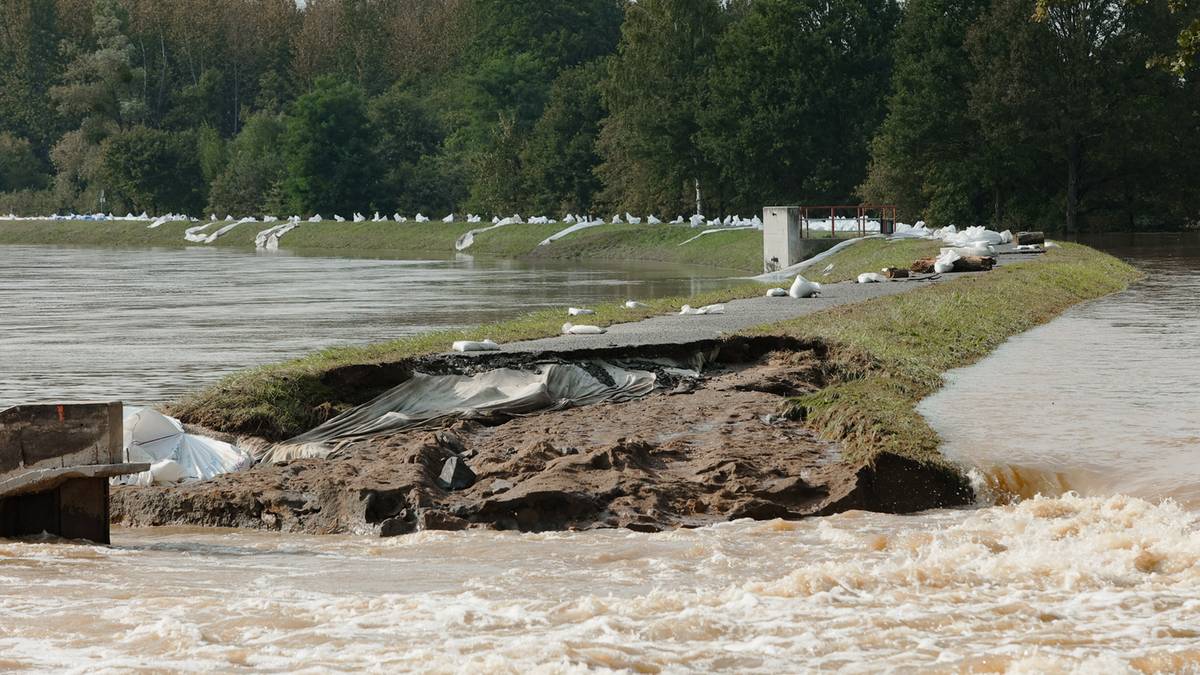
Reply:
x=55 y=462
x=782 y=237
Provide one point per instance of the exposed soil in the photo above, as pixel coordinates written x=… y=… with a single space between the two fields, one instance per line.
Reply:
x=699 y=453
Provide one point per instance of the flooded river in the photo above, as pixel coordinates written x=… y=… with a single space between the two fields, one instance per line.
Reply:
x=148 y=325
x=1102 y=401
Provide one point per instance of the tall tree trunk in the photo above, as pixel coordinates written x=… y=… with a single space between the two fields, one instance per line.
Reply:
x=996 y=212
x=1074 y=153
x=699 y=206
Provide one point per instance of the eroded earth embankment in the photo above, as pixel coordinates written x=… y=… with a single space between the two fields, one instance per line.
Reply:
x=698 y=450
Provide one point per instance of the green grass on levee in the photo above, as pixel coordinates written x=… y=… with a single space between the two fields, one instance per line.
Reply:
x=889 y=353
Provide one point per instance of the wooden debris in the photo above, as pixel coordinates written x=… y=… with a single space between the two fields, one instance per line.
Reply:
x=971 y=263
x=895 y=273
x=1025 y=238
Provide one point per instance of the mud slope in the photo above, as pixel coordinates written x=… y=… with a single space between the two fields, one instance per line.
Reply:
x=693 y=453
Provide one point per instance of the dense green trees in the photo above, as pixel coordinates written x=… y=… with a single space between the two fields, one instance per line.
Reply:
x=654 y=92
x=959 y=111
x=153 y=170
x=800 y=86
x=329 y=151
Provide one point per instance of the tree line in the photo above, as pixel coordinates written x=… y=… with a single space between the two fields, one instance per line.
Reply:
x=1004 y=112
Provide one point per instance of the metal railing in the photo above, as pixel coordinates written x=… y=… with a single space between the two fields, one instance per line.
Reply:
x=884 y=214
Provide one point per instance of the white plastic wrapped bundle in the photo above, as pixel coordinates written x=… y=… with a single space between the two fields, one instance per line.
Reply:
x=803 y=288
x=871 y=278
x=579 y=311
x=153 y=437
x=688 y=310
x=573 y=329
x=945 y=262
x=486 y=345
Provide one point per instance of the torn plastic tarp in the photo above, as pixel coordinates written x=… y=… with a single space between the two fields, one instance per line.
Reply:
x=432 y=399
x=153 y=437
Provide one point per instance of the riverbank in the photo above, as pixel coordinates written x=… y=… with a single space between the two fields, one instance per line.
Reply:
x=808 y=416
x=738 y=251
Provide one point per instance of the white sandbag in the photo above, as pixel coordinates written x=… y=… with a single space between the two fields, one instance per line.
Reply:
x=777 y=293
x=475 y=346
x=871 y=278
x=572 y=329
x=634 y=304
x=688 y=310
x=803 y=288
x=163 y=472
x=945 y=261
x=579 y=311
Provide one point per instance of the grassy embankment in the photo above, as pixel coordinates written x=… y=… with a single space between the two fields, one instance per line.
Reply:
x=739 y=251
x=375 y=238
x=891 y=352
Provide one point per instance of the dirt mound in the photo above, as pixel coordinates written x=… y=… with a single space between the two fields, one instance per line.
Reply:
x=687 y=457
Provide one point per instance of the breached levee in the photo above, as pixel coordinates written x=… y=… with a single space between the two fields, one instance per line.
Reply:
x=806 y=416
x=647 y=439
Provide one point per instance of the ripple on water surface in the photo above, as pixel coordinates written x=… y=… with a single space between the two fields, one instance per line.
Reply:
x=147 y=325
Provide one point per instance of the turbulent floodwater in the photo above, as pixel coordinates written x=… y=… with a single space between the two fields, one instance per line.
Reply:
x=1102 y=401
x=1099 y=584
x=145 y=326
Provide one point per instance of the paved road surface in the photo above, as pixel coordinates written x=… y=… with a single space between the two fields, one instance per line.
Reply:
x=739 y=315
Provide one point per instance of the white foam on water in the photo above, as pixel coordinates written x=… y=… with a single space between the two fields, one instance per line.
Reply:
x=1077 y=584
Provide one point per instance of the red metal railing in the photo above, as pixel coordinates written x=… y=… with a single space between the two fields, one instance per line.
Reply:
x=863 y=213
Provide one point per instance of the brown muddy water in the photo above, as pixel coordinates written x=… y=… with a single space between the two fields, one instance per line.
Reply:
x=1106 y=581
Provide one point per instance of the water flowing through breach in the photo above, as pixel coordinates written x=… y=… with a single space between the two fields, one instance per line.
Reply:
x=1104 y=400
x=1104 y=585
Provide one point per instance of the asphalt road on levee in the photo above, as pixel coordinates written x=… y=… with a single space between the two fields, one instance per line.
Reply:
x=739 y=315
